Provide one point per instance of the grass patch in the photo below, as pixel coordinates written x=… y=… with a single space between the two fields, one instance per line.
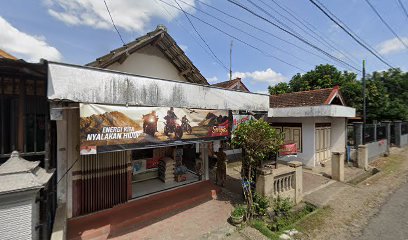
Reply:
x=262 y=227
x=267 y=227
x=313 y=220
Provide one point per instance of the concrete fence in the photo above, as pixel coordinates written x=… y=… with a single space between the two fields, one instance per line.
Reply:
x=401 y=133
x=376 y=141
x=285 y=181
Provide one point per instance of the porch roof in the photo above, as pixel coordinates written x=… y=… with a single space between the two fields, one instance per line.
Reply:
x=313 y=111
x=92 y=85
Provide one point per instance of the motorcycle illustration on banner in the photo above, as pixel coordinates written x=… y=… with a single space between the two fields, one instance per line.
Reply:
x=105 y=125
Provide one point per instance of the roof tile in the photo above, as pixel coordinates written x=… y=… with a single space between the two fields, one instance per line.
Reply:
x=299 y=99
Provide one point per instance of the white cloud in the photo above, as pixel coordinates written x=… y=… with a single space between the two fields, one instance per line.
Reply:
x=266 y=76
x=130 y=15
x=212 y=79
x=262 y=91
x=25 y=46
x=391 y=46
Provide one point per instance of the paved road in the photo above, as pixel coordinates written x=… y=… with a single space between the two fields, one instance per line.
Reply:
x=392 y=220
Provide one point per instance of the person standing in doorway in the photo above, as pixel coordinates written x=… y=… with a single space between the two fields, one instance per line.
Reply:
x=221 y=174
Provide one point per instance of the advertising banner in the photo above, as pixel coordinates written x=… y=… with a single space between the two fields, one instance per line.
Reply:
x=288 y=149
x=104 y=126
x=238 y=119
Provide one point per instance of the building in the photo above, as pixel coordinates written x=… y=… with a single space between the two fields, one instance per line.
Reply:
x=155 y=54
x=25 y=127
x=234 y=84
x=123 y=159
x=22 y=213
x=315 y=120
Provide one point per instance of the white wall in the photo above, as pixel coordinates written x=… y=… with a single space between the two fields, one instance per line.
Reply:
x=149 y=61
x=307 y=156
x=18 y=216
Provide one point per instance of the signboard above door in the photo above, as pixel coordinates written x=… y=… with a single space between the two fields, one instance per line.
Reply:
x=105 y=128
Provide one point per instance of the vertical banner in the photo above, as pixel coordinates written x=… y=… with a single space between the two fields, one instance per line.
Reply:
x=238 y=119
x=102 y=127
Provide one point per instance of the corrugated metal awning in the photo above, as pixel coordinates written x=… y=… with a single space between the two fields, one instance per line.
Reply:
x=91 y=85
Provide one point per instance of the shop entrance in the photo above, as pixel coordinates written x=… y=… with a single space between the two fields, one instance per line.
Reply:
x=160 y=169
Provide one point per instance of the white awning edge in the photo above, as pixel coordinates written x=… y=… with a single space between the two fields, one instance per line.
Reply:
x=313 y=111
x=90 y=85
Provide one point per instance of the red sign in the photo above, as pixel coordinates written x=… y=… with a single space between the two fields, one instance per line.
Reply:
x=219 y=130
x=288 y=149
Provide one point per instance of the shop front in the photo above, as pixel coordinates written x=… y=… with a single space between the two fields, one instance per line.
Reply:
x=124 y=138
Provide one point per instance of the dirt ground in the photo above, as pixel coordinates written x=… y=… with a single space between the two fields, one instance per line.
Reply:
x=348 y=213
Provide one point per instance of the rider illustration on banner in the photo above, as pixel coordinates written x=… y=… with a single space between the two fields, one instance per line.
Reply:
x=185 y=125
x=171 y=126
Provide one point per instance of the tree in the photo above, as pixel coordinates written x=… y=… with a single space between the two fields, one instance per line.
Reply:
x=279 y=88
x=258 y=140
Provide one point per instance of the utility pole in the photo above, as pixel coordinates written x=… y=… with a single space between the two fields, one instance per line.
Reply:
x=364 y=103
x=230 y=72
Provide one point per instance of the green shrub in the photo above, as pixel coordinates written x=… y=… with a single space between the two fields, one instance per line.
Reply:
x=261 y=204
x=282 y=206
x=239 y=211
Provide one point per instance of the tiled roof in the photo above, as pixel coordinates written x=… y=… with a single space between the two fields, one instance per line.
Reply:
x=165 y=43
x=305 y=98
x=231 y=83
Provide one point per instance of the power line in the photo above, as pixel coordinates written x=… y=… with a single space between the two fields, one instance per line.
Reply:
x=348 y=28
x=298 y=36
x=236 y=38
x=403 y=8
x=201 y=37
x=113 y=23
x=262 y=30
x=355 y=37
x=240 y=30
x=196 y=40
x=313 y=29
x=288 y=32
x=386 y=24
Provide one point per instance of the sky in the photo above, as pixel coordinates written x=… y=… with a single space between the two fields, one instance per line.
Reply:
x=79 y=31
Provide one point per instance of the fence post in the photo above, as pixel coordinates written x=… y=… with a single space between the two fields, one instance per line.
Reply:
x=397 y=133
x=264 y=182
x=358 y=134
x=298 y=180
x=375 y=130
x=338 y=166
x=362 y=157
x=387 y=135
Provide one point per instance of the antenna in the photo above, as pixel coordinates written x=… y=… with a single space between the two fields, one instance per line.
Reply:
x=230 y=70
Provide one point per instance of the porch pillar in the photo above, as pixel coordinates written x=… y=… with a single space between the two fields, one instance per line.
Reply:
x=388 y=136
x=397 y=132
x=338 y=166
x=358 y=134
x=204 y=156
x=375 y=130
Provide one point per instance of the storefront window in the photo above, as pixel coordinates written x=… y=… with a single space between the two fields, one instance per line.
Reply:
x=158 y=169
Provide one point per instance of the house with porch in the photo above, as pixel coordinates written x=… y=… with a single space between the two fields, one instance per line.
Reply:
x=314 y=120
